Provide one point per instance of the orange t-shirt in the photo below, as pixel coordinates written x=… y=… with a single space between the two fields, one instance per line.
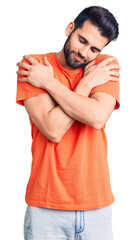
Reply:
x=72 y=174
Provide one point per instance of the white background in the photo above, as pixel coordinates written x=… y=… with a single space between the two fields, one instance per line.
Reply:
x=31 y=26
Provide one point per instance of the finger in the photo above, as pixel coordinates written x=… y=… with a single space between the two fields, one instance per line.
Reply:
x=30 y=59
x=115 y=73
x=23 y=65
x=113 y=66
x=90 y=64
x=23 y=79
x=106 y=61
x=112 y=78
x=46 y=62
x=22 y=72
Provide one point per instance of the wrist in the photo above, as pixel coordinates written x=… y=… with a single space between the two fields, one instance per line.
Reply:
x=84 y=87
x=50 y=83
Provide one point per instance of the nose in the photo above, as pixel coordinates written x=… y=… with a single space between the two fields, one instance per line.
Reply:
x=84 y=51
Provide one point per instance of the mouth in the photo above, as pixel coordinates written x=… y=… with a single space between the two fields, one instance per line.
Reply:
x=79 y=59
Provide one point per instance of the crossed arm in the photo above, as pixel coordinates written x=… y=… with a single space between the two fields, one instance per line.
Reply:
x=55 y=112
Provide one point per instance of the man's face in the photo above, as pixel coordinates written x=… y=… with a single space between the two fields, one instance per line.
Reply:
x=83 y=45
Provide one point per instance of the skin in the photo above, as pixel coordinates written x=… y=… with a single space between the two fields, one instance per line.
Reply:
x=55 y=112
x=86 y=46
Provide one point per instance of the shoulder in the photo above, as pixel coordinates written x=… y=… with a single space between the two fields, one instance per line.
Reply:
x=38 y=57
x=101 y=57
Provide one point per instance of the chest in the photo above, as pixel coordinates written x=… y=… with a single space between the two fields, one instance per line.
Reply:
x=70 y=80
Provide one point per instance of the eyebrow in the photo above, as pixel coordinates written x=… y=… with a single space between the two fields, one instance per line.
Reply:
x=86 y=41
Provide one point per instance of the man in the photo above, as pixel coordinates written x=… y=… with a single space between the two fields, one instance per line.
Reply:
x=69 y=97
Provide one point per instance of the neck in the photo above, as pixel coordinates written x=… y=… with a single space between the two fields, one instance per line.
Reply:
x=61 y=57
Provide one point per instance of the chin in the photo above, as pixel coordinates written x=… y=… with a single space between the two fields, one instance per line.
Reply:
x=77 y=66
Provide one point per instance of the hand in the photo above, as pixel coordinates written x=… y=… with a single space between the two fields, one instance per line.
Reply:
x=102 y=72
x=36 y=74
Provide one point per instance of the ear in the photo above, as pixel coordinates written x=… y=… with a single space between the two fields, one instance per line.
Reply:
x=69 y=28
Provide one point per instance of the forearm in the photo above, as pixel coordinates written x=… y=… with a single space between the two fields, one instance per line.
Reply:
x=58 y=123
x=59 y=119
x=75 y=104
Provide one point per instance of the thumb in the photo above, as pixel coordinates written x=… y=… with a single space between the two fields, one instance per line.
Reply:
x=92 y=63
x=46 y=62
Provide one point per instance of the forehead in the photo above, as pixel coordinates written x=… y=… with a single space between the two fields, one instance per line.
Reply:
x=91 y=33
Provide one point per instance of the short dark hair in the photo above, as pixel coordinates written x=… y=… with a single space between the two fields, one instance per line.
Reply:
x=102 y=19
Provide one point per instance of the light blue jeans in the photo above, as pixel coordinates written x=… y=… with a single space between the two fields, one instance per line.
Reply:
x=51 y=224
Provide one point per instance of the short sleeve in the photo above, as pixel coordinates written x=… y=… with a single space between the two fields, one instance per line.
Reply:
x=26 y=90
x=111 y=87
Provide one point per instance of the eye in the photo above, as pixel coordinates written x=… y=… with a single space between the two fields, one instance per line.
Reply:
x=82 y=40
x=93 y=50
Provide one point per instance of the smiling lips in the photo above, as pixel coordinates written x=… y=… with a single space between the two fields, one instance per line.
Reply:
x=78 y=58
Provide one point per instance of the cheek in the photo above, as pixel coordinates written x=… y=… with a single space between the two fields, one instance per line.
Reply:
x=92 y=56
x=75 y=44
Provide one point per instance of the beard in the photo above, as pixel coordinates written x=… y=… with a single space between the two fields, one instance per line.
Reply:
x=68 y=52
